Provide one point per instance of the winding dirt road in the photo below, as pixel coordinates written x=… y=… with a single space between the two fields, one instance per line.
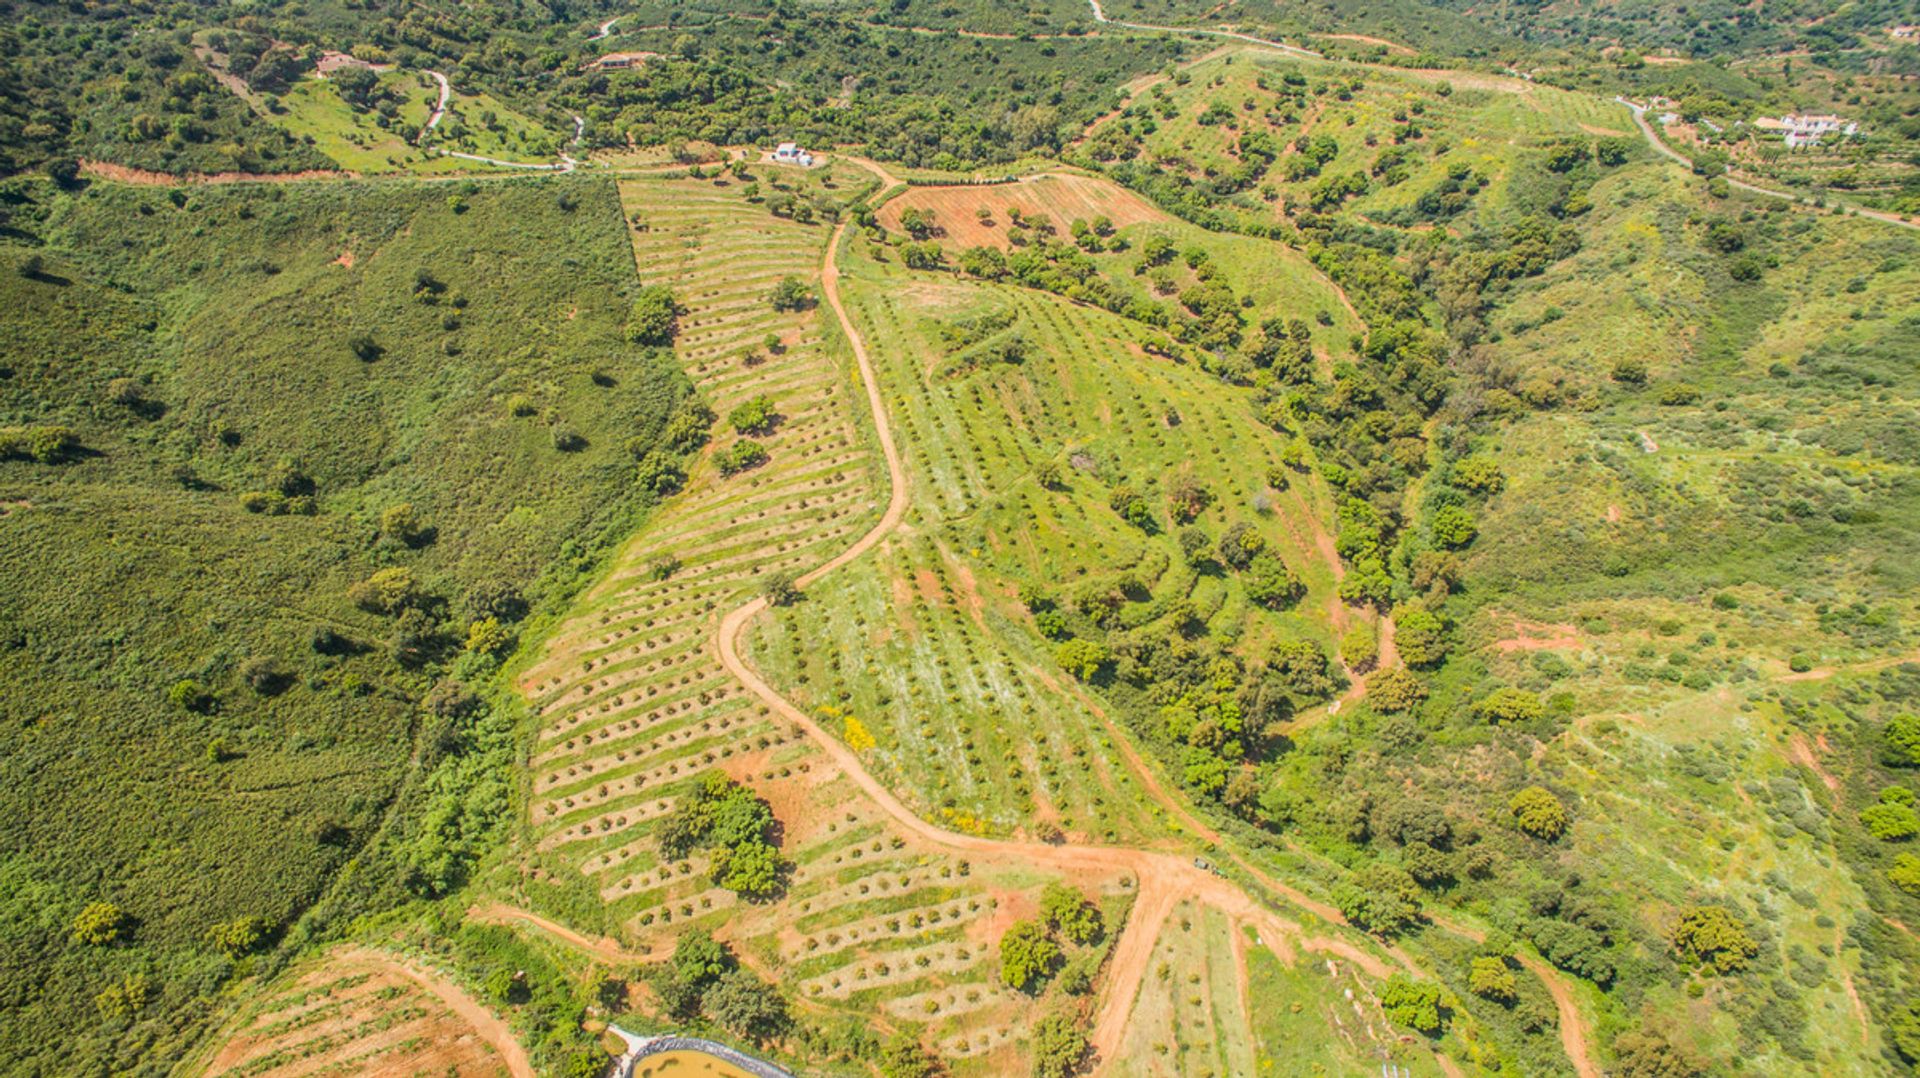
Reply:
x=1653 y=138
x=1162 y=879
x=1100 y=15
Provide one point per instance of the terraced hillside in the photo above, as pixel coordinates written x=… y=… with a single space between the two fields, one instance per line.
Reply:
x=360 y=1011
x=634 y=702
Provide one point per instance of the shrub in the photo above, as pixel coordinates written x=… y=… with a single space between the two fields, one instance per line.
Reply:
x=1027 y=955
x=1631 y=372
x=568 y=440
x=1510 y=705
x=388 y=591
x=1678 y=393
x=238 y=937
x=1489 y=977
x=189 y=695
x=99 y=924
x=739 y=457
x=1539 y=813
x=266 y=675
x=365 y=348
x=45 y=444
x=1713 y=936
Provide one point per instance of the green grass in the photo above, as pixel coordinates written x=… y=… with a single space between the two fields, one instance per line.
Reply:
x=136 y=565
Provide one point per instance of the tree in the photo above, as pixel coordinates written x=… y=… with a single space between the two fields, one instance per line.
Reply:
x=1711 y=935
x=1360 y=647
x=1068 y=911
x=791 y=294
x=1900 y=741
x=654 y=318
x=1418 y=1005
x=487 y=637
x=780 y=589
x=1395 y=690
x=1905 y=873
x=189 y=695
x=1454 y=527
x=747 y=1006
x=1420 y=636
x=1059 y=1047
x=1271 y=584
x=1539 y=813
x=1082 y=658
x=1240 y=544
x=739 y=457
x=1479 y=475
x=354 y=84
x=1381 y=899
x=99 y=924
x=1027 y=955
x=1489 y=977
x=752 y=869
x=756 y=416
x=1893 y=819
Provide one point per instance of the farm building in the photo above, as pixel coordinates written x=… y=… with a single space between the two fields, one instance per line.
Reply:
x=790 y=153
x=1808 y=130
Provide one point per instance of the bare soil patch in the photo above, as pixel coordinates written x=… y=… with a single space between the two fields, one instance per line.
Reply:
x=1059 y=197
x=107 y=170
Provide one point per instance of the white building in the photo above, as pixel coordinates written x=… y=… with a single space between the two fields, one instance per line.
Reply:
x=790 y=153
x=1809 y=130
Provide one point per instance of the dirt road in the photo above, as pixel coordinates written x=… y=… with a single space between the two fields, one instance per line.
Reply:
x=1654 y=140
x=1162 y=879
x=1100 y=15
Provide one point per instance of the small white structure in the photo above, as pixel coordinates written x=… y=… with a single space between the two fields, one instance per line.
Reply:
x=1809 y=130
x=790 y=153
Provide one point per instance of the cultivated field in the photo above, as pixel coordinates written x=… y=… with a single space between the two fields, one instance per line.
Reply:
x=634 y=702
x=1058 y=197
x=361 y=1011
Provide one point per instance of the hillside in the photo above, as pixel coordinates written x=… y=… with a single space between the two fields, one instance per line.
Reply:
x=1191 y=540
